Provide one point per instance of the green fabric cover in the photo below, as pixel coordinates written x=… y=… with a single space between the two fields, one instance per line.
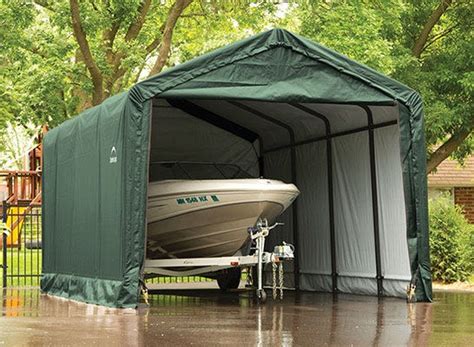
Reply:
x=94 y=205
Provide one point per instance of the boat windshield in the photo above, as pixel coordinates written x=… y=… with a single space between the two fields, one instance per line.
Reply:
x=165 y=170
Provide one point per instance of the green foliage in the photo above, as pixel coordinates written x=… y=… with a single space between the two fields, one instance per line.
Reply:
x=443 y=74
x=34 y=63
x=44 y=78
x=382 y=34
x=197 y=33
x=365 y=33
x=451 y=241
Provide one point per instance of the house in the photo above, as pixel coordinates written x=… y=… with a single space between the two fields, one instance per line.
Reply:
x=458 y=180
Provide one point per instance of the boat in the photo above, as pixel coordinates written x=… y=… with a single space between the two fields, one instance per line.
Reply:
x=210 y=217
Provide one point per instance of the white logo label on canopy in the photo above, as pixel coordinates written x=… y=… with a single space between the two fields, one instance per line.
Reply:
x=113 y=155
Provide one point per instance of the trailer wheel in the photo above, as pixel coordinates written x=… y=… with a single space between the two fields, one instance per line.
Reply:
x=261 y=296
x=229 y=279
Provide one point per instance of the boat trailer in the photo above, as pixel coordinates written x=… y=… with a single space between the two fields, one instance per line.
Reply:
x=200 y=266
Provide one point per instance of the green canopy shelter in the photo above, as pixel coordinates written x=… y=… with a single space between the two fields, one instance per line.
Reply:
x=276 y=105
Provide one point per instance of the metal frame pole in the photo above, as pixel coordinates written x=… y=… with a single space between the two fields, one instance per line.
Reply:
x=4 y=247
x=375 y=208
x=291 y=134
x=332 y=231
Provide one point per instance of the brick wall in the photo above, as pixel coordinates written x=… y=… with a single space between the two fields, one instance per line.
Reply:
x=465 y=198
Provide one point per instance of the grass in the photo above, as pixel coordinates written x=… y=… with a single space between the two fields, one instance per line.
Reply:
x=24 y=267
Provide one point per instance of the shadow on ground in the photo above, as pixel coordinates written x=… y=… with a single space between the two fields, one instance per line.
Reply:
x=208 y=317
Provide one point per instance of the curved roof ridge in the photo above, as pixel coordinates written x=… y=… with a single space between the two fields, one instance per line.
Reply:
x=262 y=42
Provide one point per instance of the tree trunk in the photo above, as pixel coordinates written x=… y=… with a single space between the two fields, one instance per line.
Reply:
x=80 y=35
x=420 y=42
x=446 y=149
x=85 y=100
x=165 y=47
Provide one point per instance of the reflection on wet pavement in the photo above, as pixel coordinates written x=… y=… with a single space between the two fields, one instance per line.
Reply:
x=208 y=317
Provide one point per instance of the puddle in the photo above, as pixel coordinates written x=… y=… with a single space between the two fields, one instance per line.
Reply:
x=209 y=317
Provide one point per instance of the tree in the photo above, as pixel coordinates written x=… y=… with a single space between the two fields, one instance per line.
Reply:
x=59 y=57
x=443 y=48
x=14 y=19
x=35 y=67
x=441 y=39
x=70 y=54
x=121 y=42
x=426 y=44
x=104 y=79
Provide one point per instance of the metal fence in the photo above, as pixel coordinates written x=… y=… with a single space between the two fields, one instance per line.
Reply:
x=21 y=245
x=21 y=251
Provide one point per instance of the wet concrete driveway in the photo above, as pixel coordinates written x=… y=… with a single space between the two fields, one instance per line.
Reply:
x=207 y=317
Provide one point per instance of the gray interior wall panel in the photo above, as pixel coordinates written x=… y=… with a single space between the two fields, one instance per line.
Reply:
x=353 y=206
x=357 y=285
x=313 y=215
x=368 y=286
x=178 y=136
x=391 y=202
x=277 y=165
x=395 y=287
x=316 y=282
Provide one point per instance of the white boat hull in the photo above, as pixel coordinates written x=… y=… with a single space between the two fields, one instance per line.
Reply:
x=210 y=218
